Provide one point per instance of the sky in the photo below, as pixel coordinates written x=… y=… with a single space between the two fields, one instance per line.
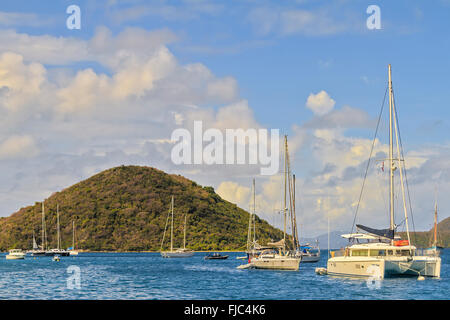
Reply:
x=75 y=102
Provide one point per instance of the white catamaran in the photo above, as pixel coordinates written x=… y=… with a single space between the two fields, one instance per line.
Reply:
x=381 y=253
x=175 y=253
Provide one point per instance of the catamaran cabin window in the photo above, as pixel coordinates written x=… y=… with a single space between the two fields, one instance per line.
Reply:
x=374 y=253
x=361 y=252
x=406 y=253
x=390 y=252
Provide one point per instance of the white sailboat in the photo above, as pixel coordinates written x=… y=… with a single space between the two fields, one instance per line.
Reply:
x=72 y=250
x=434 y=249
x=180 y=252
x=57 y=250
x=40 y=251
x=382 y=253
x=276 y=256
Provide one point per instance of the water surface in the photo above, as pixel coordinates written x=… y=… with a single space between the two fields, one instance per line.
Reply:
x=148 y=276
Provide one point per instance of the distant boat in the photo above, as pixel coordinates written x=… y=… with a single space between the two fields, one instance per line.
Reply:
x=175 y=253
x=15 y=254
x=40 y=251
x=434 y=249
x=57 y=250
x=215 y=256
x=72 y=250
x=309 y=253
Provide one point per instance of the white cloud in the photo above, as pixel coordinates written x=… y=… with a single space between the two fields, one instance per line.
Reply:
x=320 y=103
x=235 y=193
x=20 y=83
x=16 y=147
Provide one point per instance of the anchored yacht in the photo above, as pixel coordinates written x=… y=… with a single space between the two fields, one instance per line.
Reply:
x=380 y=252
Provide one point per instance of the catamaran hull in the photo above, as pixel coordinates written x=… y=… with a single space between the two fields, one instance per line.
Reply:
x=381 y=268
x=177 y=254
x=276 y=264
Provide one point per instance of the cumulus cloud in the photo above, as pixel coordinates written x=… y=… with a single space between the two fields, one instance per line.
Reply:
x=20 y=83
x=320 y=103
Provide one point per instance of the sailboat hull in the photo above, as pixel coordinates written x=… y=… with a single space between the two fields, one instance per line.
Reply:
x=175 y=254
x=276 y=263
x=310 y=258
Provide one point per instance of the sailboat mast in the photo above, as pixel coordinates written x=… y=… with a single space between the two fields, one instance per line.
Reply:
x=391 y=152
x=254 y=211
x=295 y=231
x=435 y=224
x=285 y=191
x=73 y=235
x=171 y=230
x=57 y=226
x=184 y=239
x=44 y=233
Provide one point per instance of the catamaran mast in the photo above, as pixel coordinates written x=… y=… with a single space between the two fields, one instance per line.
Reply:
x=391 y=157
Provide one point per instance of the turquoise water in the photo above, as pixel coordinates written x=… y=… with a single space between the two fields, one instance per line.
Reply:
x=148 y=276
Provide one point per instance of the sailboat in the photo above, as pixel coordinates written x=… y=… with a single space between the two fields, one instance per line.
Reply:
x=72 y=250
x=276 y=255
x=381 y=253
x=57 y=250
x=434 y=249
x=40 y=251
x=180 y=252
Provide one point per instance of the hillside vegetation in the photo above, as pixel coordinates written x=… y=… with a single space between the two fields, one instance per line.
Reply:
x=423 y=239
x=125 y=209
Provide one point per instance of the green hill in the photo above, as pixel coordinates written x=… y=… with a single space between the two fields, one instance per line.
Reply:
x=423 y=239
x=125 y=209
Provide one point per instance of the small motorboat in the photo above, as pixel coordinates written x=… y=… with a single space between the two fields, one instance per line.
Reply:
x=15 y=254
x=215 y=256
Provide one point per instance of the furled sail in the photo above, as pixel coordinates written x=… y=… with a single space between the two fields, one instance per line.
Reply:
x=386 y=233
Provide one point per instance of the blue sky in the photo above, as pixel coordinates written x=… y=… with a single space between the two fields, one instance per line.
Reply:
x=267 y=57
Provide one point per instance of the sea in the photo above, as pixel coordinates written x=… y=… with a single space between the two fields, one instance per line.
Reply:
x=136 y=276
